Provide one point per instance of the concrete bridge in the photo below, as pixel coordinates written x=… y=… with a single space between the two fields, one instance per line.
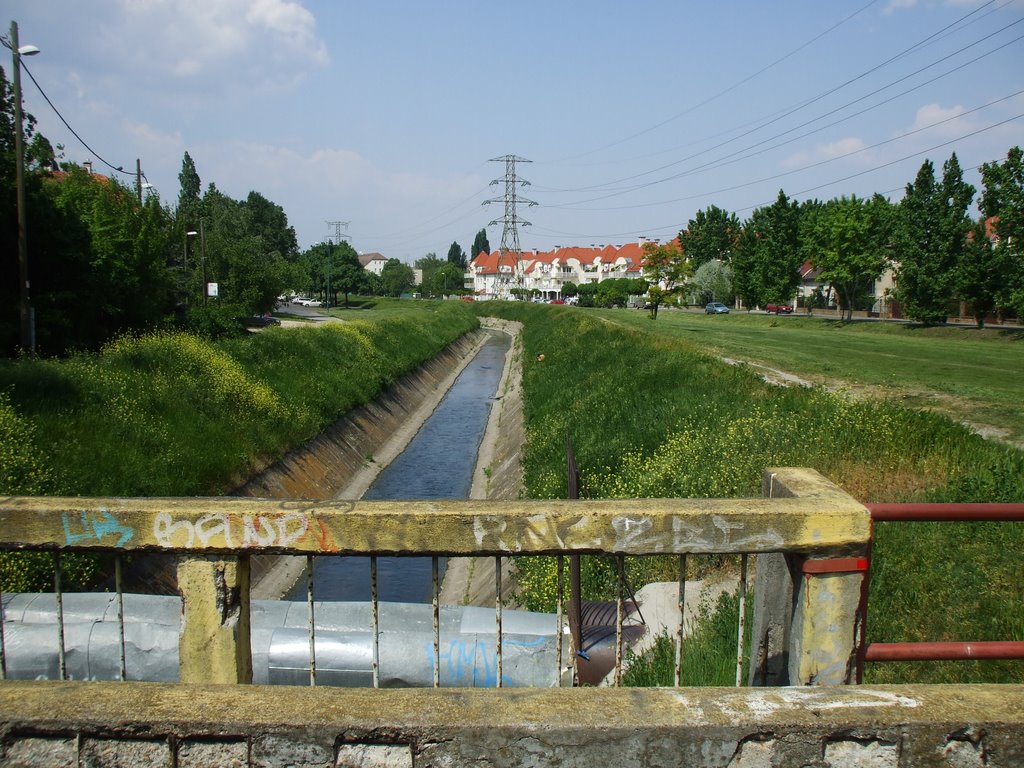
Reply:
x=808 y=539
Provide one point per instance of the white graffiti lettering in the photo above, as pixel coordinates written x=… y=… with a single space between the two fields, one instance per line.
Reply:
x=217 y=530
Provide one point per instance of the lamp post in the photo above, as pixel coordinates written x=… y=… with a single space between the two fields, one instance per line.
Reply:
x=202 y=248
x=184 y=263
x=28 y=326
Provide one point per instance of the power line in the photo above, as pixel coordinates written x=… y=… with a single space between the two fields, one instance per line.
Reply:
x=97 y=155
x=731 y=88
x=776 y=117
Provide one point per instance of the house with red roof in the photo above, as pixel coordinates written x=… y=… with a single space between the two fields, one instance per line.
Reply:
x=494 y=275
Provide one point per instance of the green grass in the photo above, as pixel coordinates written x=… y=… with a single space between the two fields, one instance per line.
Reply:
x=170 y=414
x=975 y=376
x=652 y=414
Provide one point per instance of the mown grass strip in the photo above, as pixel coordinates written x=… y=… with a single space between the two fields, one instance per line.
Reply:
x=975 y=376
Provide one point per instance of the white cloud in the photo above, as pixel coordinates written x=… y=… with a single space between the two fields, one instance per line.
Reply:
x=824 y=152
x=896 y=5
x=945 y=122
x=242 y=42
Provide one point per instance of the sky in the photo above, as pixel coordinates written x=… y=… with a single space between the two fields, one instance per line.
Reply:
x=394 y=116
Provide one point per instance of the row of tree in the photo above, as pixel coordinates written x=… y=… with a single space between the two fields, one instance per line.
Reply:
x=939 y=255
x=106 y=259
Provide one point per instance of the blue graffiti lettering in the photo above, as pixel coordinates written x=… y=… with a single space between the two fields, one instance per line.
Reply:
x=95 y=526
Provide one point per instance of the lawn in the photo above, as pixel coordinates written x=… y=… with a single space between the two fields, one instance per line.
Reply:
x=973 y=376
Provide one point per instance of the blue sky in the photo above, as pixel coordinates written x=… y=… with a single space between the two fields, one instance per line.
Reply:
x=634 y=115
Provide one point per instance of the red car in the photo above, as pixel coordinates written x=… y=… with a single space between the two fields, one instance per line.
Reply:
x=779 y=309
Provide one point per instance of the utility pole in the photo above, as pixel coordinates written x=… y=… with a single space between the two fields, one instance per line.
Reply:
x=510 y=250
x=330 y=251
x=25 y=309
x=138 y=178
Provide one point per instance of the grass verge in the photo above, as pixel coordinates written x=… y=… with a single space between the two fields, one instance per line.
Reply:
x=651 y=416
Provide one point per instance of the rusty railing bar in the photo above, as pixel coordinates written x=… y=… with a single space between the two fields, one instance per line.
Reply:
x=58 y=594
x=682 y=619
x=375 y=620
x=119 y=589
x=436 y=602
x=3 y=641
x=619 y=612
x=558 y=617
x=982 y=512
x=945 y=651
x=497 y=614
x=312 y=620
x=741 y=623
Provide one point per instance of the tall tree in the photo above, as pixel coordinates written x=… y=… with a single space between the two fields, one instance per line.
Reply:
x=713 y=282
x=396 y=278
x=979 y=273
x=848 y=240
x=190 y=190
x=457 y=256
x=930 y=238
x=766 y=262
x=428 y=266
x=665 y=269
x=711 y=234
x=349 y=276
x=480 y=244
x=1003 y=198
x=448 y=280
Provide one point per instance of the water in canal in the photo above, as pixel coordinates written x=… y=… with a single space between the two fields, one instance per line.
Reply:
x=437 y=464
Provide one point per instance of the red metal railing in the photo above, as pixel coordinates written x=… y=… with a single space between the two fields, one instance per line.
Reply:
x=944 y=651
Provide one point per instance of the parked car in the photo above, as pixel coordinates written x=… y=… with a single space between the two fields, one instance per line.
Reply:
x=260 y=321
x=716 y=308
x=779 y=309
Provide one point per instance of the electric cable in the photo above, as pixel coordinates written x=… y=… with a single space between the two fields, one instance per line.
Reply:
x=97 y=155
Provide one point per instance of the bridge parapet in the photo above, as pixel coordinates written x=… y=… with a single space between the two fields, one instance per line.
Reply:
x=802 y=515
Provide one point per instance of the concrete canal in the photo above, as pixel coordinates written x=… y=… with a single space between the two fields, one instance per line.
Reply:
x=437 y=464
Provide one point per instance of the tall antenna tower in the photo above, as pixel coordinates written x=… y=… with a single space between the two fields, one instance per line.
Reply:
x=510 y=255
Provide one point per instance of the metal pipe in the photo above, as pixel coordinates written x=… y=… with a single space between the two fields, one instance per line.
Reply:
x=375 y=620
x=558 y=614
x=437 y=621
x=946 y=512
x=61 y=655
x=742 y=619
x=312 y=620
x=946 y=651
x=619 y=614
x=682 y=619
x=497 y=614
x=119 y=588
x=3 y=643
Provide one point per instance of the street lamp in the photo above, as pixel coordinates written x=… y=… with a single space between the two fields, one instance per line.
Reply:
x=28 y=326
x=184 y=262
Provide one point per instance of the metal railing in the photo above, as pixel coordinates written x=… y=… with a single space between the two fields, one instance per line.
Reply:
x=804 y=516
x=945 y=650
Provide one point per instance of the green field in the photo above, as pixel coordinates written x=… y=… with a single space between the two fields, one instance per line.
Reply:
x=974 y=376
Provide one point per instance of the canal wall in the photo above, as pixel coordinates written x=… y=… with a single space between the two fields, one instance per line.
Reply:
x=343 y=461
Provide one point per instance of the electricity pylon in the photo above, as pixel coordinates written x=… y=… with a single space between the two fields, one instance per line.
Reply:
x=510 y=255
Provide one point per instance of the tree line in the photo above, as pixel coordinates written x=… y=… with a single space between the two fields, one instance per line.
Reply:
x=940 y=255
x=106 y=259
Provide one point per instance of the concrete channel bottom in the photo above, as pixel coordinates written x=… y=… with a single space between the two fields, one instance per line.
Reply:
x=122 y=724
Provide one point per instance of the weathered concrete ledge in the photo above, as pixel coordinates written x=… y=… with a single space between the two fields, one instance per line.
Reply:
x=68 y=724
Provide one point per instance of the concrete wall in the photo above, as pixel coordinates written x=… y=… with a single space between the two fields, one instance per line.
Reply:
x=130 y=724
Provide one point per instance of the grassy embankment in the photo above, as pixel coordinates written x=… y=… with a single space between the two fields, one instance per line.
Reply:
x=653 y=412
x=169 y=414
